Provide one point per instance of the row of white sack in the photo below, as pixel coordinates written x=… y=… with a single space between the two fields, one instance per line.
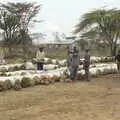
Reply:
x=93 y=59
x=58 y=72
x=64 y=61
x=27 y=66
x=31 y=66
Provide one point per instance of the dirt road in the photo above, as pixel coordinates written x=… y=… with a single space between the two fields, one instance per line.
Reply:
x=96 y=100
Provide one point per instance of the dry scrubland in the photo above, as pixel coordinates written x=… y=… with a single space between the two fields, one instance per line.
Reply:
x=97 y=100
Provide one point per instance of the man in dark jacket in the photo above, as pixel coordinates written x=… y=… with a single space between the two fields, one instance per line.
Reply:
x=86 y=64
x=74 y=61
x=117 y=58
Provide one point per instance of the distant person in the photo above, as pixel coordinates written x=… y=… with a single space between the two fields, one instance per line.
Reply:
x=74 y=61
x=117 y=58
x=86 y=64
x=40 y=55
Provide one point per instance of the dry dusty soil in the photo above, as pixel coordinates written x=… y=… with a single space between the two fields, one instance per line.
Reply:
x=95 y=100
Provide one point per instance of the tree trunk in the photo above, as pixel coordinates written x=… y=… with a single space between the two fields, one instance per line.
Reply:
x=25 y=52
x=113 y=48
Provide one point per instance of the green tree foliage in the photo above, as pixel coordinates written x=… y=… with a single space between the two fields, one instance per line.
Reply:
x=15 y=22
x=101 y=24
x=10 y=25
x=24 y=11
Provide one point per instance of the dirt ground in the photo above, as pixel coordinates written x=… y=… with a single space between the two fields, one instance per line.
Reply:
x=95 y=100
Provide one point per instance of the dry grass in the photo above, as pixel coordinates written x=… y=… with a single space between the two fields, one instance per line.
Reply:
x=97 y=100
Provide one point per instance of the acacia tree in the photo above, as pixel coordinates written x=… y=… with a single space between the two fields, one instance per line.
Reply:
x=10 y=25
x=105 y=23
x=25 y=12
x=24 y=40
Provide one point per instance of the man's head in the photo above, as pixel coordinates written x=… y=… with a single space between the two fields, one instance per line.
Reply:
x=87 y=50
x=41 y=49
x=75 y=49
x=71 y=52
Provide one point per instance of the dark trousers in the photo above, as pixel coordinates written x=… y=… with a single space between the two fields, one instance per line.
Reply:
x=39 y=66
x=73 y=73
x=87 y=74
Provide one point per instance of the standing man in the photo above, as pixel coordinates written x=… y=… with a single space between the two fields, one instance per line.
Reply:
x=40 y=55
x=117 y=58
x=74 y=61
x=86 y=64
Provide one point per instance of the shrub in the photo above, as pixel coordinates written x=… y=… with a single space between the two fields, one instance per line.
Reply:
x=26 y=82
x=8 y=84
x=17 y=85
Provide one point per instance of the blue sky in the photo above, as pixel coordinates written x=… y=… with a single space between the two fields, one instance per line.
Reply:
x=63 y=15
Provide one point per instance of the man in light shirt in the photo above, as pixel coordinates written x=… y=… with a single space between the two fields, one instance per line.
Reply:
x=40 y=55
